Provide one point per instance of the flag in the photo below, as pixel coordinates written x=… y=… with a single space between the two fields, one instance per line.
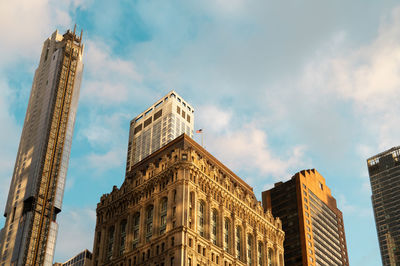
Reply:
x=199 y=131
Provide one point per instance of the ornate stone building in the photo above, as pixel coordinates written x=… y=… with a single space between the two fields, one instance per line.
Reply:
x=181 y=206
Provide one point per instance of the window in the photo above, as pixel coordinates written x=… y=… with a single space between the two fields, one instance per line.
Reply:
x=227 y=230
x=200 y=219
x=136 y=223
x=249 y=249
x=123 y=237
x=214 y=219
x=270 y=257
x=260 y=253
x=321 y=186
x=110 y=242
x=149 y=222
x=238 y=242
x=163 y=215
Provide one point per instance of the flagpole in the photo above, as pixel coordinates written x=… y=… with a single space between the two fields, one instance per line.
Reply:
x=200 y=131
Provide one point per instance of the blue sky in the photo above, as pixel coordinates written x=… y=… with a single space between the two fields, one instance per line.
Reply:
x=278 y=86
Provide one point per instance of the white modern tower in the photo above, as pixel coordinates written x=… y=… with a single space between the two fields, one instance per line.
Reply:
x=161 y=123
x=37 y=185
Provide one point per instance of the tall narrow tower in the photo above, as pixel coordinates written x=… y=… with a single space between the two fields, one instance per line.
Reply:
x=384 y=173
x=37 y=185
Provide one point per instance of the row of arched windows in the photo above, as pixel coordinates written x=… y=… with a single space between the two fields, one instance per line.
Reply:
x=136 y=228
x=238 y=238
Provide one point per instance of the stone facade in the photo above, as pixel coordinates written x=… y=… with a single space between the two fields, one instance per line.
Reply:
x=181 y=206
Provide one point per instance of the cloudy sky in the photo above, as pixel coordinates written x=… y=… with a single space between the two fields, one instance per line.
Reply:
x=278 y=86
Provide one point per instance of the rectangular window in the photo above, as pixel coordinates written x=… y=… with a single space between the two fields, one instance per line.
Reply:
x=137 y=129
x=147 y=122
x=157 y=115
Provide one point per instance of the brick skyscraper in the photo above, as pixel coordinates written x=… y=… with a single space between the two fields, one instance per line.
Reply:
x=312 y=223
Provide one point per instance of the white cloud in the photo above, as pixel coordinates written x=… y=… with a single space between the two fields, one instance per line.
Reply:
x=352 y=209
x=368 y=77
x=108 y=79
x=25 y=24
x=101 y=162
x=106 y=130
x=76 y=232
x=245 y=147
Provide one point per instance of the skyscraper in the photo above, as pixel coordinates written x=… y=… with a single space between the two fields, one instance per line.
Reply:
x=181 y=206
x=384 y=173
x=161 y=123
x=37 y=184
x=84 y=258
x=313 y=225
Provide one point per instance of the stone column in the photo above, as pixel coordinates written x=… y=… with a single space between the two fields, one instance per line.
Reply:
x=220 y=228
x=207 y=217
x=117 y=237
x=129 y=232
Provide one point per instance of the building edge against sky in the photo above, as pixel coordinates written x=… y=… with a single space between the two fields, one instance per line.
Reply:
x=384 y=173
x=37 y=184
x=159 y=124
x=181 y=206
x=313 y=225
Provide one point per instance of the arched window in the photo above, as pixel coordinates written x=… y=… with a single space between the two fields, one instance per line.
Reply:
x=238 y=242
x=260 y=253
x=280 y=260
x=122 y=237
x=149 y=222
x=270 y=257
x=136 y=228
x=110 y=242
x=163 y=215
x=227 y=232
x=200 y=218
x=214 y=226
x=249 y=249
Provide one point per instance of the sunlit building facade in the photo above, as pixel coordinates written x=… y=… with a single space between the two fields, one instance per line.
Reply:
x=37 y=185
x=161 y=123
x=384 y=173
x=181 y=206
x=313 y=225
x=84 y=258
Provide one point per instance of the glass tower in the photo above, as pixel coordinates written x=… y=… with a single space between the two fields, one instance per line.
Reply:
x=165 y=120
x=384 y=173
x=37 y=184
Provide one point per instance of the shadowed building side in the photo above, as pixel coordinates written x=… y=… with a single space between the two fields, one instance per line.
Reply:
x=384 y=173
x=313 y=225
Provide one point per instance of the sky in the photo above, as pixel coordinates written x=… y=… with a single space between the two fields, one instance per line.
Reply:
x=277 y=87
